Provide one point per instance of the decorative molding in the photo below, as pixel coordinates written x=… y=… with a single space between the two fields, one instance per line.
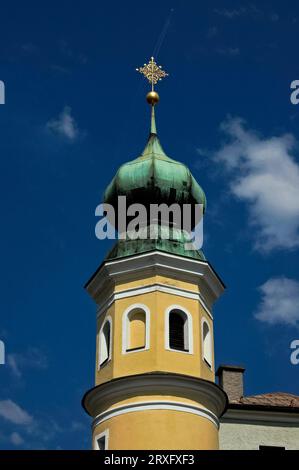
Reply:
x=279 y=418
x=157 y=262
x=157 y=287
x=125 y=338
x=204 y=392
x=189 y=330
x=156 y=405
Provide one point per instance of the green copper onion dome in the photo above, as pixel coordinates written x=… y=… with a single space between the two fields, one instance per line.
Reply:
x=154 y=178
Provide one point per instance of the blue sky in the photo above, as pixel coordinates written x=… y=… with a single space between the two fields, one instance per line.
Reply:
x=75 y=110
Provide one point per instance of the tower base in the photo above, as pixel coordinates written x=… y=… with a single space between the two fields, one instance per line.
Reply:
x=156 y=411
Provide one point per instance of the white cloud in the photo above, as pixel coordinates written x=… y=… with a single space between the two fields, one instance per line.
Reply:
x=33 y=358
x=212 y=32
x=274 y=17
x=280 y=302
x=30 y=48
x=77 y=426
x=16 y=439
x=229 y=51
x=263 y=173
x=13 y=365
x=69 y=53
x=65 y=125
x=36 y=433
x=13 y=413
x=249 y=11
x=233 y=13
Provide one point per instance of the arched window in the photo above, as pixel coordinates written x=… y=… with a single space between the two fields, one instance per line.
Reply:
x=136 y=330
x=177 y=321
x=178 y=329
x=207 y=343
x=136 y=326
x=105 y=342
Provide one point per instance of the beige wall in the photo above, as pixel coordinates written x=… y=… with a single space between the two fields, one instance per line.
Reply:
x=250 y=436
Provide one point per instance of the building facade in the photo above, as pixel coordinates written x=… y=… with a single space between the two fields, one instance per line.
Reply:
x=266 y=421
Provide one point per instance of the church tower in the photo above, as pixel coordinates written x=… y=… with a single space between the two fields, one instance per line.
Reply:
x=155 y=374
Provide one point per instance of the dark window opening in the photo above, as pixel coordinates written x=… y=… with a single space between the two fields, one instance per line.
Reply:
x=101 y=443
x=271 y=448
x=207 y=362
x=138 y=348
x=105 y=361
x=177 y=331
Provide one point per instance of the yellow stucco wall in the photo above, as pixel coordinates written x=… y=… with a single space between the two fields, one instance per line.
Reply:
x=157 y=357
x=144 y=280
x=159 y=429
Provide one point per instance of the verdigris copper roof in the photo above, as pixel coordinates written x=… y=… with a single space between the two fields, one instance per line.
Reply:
x=132 y=247
x=153 y=177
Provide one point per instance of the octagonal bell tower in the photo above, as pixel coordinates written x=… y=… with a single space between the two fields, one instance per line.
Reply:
x=155 y=375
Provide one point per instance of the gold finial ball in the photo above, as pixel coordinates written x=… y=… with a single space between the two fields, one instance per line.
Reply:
x=152 y=98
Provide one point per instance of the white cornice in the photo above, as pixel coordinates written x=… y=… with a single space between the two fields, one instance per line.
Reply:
x=204 y=392
x=156 y=405
x=157 y=263
x=157 y=287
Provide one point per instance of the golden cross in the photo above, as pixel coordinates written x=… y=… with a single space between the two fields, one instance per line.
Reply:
x=152 y=72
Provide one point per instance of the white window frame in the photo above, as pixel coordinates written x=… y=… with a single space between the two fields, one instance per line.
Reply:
x=204 y=357
x=125 y=328
x=103 y=363
x=188 y=329
x=104 y=434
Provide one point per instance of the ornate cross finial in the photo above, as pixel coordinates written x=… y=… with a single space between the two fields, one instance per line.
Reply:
x=152 y=72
